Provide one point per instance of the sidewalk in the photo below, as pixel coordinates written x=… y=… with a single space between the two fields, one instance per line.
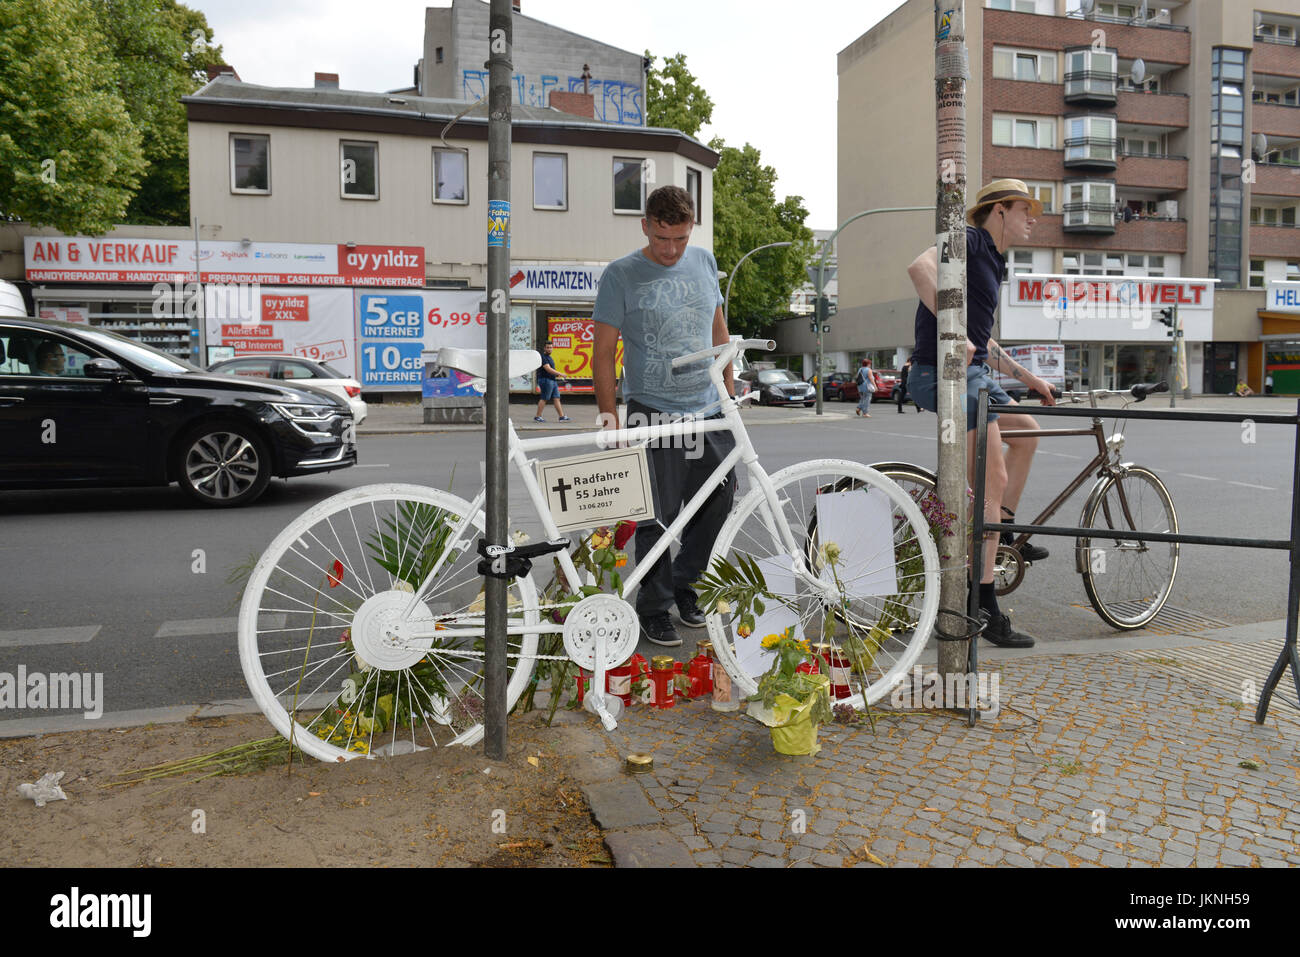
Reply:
x=1141 y=755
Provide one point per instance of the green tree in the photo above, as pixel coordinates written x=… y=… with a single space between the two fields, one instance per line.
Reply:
x=163 y=49
x=70 y=157
x=674 y=98
x=746 y=214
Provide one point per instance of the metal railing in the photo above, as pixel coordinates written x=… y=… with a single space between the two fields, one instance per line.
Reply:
x=1289 y=654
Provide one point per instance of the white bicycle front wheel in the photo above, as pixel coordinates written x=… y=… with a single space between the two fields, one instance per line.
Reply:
x=341 y=653
x=876 y=606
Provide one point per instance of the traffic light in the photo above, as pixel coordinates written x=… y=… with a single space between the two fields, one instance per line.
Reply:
x=1169 y=318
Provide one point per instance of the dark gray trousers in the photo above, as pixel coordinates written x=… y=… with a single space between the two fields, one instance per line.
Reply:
x=677 y=471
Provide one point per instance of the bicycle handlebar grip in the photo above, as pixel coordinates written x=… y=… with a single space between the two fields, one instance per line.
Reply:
x=1144 y=389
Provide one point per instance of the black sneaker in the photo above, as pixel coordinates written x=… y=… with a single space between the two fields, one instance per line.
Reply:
x=658 y=630
x=999 y=631
x=688 y=610
x=1028 y=551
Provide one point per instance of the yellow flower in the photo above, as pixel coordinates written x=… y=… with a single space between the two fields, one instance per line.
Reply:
x=771 y=641
x=722 y=606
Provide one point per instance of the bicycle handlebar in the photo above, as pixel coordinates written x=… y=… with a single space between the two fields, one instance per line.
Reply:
x=1139 y=391
x=736 y=344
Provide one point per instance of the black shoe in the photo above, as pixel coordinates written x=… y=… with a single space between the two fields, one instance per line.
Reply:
x=658 y=630
x=688 y=610
x=1028 y=551
x=999 y=631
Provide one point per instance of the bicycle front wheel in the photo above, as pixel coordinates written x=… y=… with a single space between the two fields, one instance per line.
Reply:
x=1129 y=581
x=338 y=630
x=876 y=605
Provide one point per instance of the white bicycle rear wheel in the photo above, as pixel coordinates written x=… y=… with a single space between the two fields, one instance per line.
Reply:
x=325 y=628
x=885 y=603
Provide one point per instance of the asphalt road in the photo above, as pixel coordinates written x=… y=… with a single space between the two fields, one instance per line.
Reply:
x=134 y=583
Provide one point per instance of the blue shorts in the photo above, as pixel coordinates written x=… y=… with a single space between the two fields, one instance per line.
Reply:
x=922 y=386
x=550 y=389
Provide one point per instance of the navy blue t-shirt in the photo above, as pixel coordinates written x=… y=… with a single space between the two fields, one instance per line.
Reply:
x=985 y=267
x=546 y=361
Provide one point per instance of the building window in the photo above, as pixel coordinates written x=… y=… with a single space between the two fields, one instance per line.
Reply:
x=629 y=191
x=1090 y=138
x=1015 y=6
x=450 y=176
x=1022 y=261
x=1089 y=203
x=1090 y=72
x=1292 y=270
x=358 y=170
x=437 y=55
x=550 y=181
x=1116 y=11
x=693 y=181
x=1045 y=193
x=1256 y=280
x=1028 y=131
x=1030 y=65
x=250 y=163
x=1141 y=146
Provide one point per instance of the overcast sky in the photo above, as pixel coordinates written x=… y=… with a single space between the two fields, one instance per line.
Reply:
x=770 y=68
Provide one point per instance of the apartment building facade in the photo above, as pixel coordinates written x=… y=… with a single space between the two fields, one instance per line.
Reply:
x=1165 y=146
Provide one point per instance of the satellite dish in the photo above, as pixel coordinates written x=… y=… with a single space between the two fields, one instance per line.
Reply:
x=1259 y=143
x=1139 y=72
x=1259 y=19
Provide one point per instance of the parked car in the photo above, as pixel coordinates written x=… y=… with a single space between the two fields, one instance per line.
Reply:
x=834 y=385
x=81 y=407
x=886 y=381
x=319 y=375
x=780 y=387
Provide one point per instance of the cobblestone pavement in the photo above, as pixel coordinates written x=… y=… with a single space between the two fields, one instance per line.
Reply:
x=1095 y=759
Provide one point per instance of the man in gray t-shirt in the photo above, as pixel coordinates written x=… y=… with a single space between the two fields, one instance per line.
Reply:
x=664 y=300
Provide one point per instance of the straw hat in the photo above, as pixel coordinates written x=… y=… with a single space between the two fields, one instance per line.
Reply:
x=1002 y=190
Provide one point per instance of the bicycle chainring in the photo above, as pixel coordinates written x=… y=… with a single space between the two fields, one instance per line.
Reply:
x=601 y=618
x=1008 y=570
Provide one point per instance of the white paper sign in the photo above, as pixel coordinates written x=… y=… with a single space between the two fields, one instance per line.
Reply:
x=778 y=573
x=864 y=531
x=585 y=491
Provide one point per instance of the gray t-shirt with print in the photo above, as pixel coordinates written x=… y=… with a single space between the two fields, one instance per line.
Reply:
x=662 y=312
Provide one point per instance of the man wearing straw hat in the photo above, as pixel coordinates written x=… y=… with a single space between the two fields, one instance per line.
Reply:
x=1002 y=216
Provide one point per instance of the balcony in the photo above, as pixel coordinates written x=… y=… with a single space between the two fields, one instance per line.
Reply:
x=1152 y=235
x=1281 y=242
x=1167 y=172
x=1091 y=86
x=1277 y=59
x=1098 y=218
x=1276 y=179
x=1153 y=109
x=1276 y=120
x=1090 y=152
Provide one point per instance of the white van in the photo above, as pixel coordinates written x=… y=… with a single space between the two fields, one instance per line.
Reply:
x=11 y=301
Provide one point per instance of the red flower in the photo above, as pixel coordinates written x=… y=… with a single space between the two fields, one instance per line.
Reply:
x=335 y=574
x=623 y=531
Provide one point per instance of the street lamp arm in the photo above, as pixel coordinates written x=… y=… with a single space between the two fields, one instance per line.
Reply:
x=726 y=300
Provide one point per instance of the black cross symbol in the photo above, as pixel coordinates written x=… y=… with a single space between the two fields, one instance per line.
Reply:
x=561 y=486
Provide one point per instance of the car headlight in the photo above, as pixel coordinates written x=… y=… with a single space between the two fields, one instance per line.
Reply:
x=306 y=413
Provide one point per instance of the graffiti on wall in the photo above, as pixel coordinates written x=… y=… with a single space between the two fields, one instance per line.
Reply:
x=615 y=100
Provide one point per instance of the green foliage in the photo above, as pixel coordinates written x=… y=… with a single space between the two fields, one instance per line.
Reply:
x=746 y=214
x=70 y=155
x=428 y=525
x=92 y=130
x=674 y=98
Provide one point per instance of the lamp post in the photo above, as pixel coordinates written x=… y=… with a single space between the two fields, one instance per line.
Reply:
x=726 y=300
x=820 y=283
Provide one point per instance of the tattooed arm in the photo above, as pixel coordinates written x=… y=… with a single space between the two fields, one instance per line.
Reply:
x=999 y=360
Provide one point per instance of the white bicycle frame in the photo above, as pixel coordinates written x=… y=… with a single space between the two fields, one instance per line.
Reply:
x=519 y=450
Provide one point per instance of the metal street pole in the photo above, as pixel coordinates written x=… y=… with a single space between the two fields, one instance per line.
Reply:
x=950 y=74
x=1173 y=362
x=497 y=400
x=726 y=300
x=827 y=245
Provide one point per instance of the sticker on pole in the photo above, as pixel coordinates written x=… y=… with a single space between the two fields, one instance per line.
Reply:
x=600 y=488
x=498 y=223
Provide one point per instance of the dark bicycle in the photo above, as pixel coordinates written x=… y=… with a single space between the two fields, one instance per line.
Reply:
x=1127 y=581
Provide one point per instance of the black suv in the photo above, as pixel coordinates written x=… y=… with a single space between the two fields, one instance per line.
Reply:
x=83 y=407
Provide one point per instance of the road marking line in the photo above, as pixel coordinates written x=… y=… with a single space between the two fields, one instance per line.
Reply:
x=188 y=627
x=1203 y=478
x=1266 y=488
x=75 y=634
x=383 y=466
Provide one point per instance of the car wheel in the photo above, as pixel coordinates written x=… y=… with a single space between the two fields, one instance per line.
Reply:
x=222 y=464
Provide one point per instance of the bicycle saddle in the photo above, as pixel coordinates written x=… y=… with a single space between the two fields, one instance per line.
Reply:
x=474 y=361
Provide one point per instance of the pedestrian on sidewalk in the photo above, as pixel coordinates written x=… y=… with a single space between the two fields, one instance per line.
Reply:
x=548 y=384
x=866 y=388
x=1002 y=217
x=900 y=390
x=665 y=301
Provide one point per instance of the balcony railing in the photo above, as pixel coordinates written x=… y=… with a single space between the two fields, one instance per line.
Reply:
x=1090 y=151
x=1091 y=85
x=1089 y=218
x=1280 y=41
x=1128 y=21
x=1154 y=156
